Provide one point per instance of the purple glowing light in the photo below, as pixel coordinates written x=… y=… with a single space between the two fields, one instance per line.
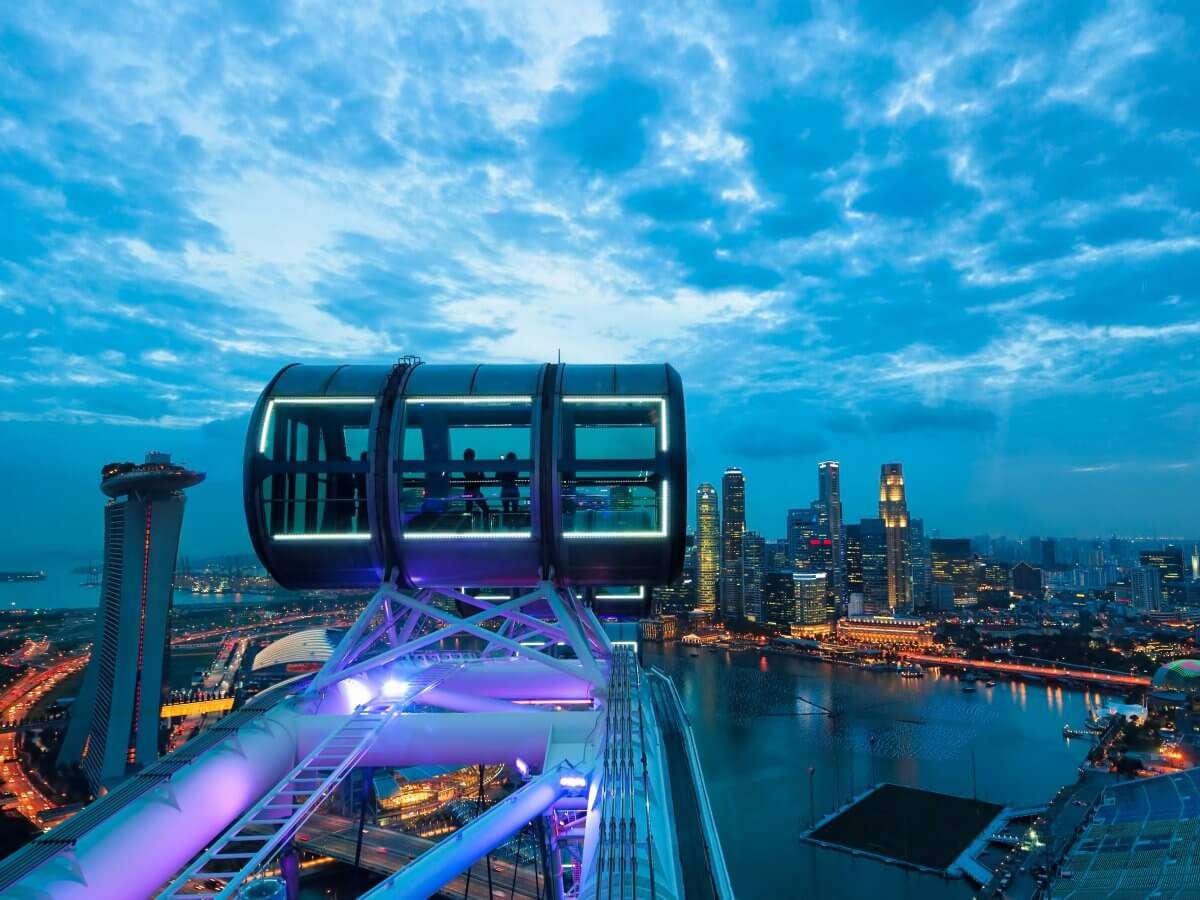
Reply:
x=394 y=687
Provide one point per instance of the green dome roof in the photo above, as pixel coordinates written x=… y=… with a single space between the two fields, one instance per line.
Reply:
x=1180 y=675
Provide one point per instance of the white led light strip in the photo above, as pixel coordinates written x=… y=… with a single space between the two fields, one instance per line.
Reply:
x=472 y=400
x=609 y=535
x=331 y=536
x=303 y=401
x=662 y=410
x=466 y=535
x=640 y=595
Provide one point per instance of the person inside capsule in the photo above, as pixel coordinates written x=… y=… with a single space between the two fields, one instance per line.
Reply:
x=473 y=492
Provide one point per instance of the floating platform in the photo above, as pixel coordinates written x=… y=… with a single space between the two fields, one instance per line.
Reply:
x=906 y=826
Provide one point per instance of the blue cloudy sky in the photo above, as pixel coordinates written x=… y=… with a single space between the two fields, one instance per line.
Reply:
x=961 y=236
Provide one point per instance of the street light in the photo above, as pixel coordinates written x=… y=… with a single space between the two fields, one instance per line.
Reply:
x=812 y=806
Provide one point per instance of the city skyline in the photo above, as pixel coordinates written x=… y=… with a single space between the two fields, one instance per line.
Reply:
x=491 y=449
x=1008 y=325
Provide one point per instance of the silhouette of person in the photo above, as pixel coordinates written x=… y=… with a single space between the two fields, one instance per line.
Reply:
x=473 y=488
x=510 y=494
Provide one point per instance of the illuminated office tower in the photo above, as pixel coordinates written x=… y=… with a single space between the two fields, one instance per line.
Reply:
x=708 y=548
x=873 y=553
x=812 y=598
x=829 y=495
x=953 y=564
x=800 y=528
x=733 y=530
x=1169 y=562
x=854 y=562
x=893 y=509
x=779 y=600
x=754 y=551
x=1145 y=584
x=114 y=724
x=918 y=553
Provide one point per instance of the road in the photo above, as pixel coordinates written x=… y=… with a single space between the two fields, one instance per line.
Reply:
x=1056 y=830
x=15 y=703
x=384 y=851
x=1140 y=681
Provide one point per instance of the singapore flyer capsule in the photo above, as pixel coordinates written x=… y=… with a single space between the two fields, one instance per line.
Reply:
x=468 y=475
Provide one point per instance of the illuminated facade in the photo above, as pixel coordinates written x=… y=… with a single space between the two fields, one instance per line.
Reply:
x=1145 y=584
x=853 y=561
x=812 y=598
x=708 y=548
x=893 y=509
x=1169 y=562
x=829 y=495
x=754 y=552
x=885 y=631
x=779 y=600
x=114 y=725
x=954 y=565
x=733 y=530
x=873 y=543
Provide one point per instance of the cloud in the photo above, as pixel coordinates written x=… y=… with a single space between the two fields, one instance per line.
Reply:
x=604 y=127
x=917 y=417
x=976 y=211
x=772 y=444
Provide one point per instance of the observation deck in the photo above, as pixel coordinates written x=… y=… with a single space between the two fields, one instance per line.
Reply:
x=155 y=476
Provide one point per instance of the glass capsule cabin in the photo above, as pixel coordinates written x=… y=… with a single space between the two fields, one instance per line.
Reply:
x=452 y=476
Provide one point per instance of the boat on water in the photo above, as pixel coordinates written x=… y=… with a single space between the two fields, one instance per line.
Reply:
x=694 y=653
x=912 y=672
x=990 y=683
x=969 y=688
x=1096 y=723
x=1068 y=731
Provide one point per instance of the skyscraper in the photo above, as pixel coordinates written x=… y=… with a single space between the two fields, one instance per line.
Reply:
x=918 y=551
x=1145 y=584
x=1169 y=562
x=854 y=561
x=733 y=529
x=114 y=725
x=873 y=542
x=812 y=598
x=779 y=600
x=799 y=529
x=753 y=568
x=953 y=563
x=708 y=548
x=893 y=509
x=829 y=495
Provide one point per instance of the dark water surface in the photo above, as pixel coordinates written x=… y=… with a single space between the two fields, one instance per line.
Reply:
x=761 y=720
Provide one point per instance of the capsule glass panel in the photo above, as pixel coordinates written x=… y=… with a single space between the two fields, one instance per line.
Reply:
x=315 y=468
x=610 y=466
x=467 y=467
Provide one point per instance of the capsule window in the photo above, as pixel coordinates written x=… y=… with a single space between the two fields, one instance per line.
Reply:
x=466 y=467
x=612 y=467
x=314 y=453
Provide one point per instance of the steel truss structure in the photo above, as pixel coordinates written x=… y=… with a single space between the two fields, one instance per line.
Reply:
x=543 y=690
